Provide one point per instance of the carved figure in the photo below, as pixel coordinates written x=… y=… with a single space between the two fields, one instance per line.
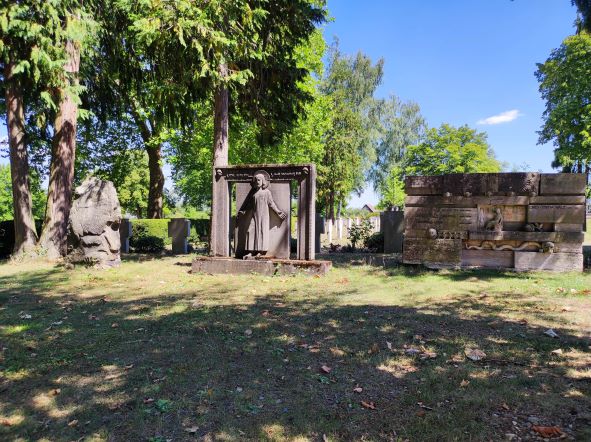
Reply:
x=548 y=247
x=496 y=223
x=257 y=203
x=490 y=245
x=432 y=233
x=534 y=227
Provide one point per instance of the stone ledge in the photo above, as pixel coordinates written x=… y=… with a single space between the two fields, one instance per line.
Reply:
x=268 y=267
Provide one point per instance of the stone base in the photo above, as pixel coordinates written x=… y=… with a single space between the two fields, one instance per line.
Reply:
x=269 y=267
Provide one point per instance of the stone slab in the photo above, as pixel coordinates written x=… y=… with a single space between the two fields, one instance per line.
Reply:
x=520 y=183
x=463 y=201
x=279 y=230
x=565 y=227
x=440 y=218
x=435 y=253
x=392 y=226
x=423 y=185
x=268 y=267
x=491 y=259
x=557 y=199
x=556 y=262
x=562 y=184
x=556 y=214
x=460 y=183
x=528 y=236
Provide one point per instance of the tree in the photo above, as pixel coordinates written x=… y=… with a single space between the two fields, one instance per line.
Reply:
x=450 y=150
x=28 y=59
x=584 y=8
x=401 y=125
x=349 y=142
x=6 y=206
x=565 y=85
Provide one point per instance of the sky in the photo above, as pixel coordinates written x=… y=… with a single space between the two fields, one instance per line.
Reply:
x=463 y=61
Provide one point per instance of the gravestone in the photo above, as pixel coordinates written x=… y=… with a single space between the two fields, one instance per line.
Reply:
x=392 y=226
x=179 y=229
x=93 y=229
x=521 y=221
x=125 y=232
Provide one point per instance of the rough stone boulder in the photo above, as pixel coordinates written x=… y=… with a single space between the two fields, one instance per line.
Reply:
x=95 y=218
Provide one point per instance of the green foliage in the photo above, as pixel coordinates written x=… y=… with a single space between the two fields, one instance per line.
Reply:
x=359 y=233
x=584 y=9
x=450 y=150
x=392 y=190
x=565 y=85
x=37 y=194
x=375 y=242
x=349 y=151
x=149 y=235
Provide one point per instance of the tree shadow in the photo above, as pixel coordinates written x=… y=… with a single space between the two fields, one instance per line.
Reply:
x=179 y=367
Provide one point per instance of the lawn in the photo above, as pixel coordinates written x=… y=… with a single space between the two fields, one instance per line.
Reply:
x=149 y=352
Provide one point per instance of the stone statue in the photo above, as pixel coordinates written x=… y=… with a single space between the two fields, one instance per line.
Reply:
x=496 y=223
x=95 y=218
x=256 y=205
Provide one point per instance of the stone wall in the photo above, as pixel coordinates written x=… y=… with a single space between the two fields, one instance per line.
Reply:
x=522 y=221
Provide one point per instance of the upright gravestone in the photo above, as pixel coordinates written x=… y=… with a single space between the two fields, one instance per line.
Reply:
x=93 y=229
x=320 y=230
x=125 y=232
x=392 y=226
x=179 y=229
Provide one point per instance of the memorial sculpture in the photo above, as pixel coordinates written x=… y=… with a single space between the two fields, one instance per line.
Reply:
x=257 y=239
x=521 y=221
x=93 y=229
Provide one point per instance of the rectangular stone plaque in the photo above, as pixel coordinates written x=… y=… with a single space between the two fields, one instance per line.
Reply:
x=562 y=184
x=556 y=214
x=557 y=262
x=440 y=218
x=502 y=259
x=423 y=185
x=436 y=253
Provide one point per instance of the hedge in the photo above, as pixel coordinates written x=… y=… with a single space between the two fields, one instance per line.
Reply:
x=151 y=235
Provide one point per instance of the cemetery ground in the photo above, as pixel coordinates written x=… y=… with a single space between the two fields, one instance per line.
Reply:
x=150 y=352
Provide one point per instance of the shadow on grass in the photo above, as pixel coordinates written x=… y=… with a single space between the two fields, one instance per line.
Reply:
x=172 y=367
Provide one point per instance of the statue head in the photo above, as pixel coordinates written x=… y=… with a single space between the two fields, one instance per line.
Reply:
x=260 y=180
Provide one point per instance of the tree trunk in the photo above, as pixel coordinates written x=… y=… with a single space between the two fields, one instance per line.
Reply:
x=219 y=203
x=155 y=193
x=61 y=176
x=25 y=235
x=330 y=214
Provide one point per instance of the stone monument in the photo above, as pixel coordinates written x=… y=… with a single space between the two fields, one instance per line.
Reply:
x=93 y=230
x=260 y=238
x=521 y=221
x=179 y=229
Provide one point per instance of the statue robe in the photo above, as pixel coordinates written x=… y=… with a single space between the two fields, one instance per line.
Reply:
x=257 y=236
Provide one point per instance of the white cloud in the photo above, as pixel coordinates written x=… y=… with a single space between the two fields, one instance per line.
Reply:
x=503 y=117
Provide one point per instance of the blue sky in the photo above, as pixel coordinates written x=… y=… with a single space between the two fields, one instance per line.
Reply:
x=463 y=61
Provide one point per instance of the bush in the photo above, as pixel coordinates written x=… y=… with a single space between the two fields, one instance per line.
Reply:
x=149 y=235
x=199 y=230
x=375 y=242
x=359 y=233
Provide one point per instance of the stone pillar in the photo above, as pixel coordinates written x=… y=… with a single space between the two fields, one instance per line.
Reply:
x=219 y=232
x=339 y=228
x=392 y=224
x=179 y=229
x=319 y=231
x=357 y=221
x=329 y=230
x=307 y=215
x=125 y=234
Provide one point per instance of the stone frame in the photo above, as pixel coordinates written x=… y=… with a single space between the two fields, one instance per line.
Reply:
x=225 y=176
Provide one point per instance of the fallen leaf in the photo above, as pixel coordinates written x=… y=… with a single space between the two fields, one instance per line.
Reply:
x=523 y=321
x=114 y=325
x=389 y=345
x=6 y=423
x=265 y=313
x=148 y=400
x=191 y=430
x=375 y=348
x=73 y=423
x=412 y=351
x=421 y=413
x=358 y=389
x=557 y=351
x=464 y=383
x=325 y=369
x=56 y=391
x=248 y=332
x=128 y=367
x=324 y=438
x=368 y=405
x=474 y=354
x=551 y=333
x=428 y=355
x=547 y=431
x=504 y=406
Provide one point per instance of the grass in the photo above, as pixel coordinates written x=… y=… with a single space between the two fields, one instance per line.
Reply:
x=149 y=352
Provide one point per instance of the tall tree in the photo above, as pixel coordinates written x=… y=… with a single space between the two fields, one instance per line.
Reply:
x=27 y=58
x=450 y=150
x=565 y=85
x=349 y=148
x=584 y=8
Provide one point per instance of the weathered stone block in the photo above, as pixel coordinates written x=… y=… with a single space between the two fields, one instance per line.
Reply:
x=423 y=185
x=125 y=232
x=179 y=229
x=556 y=262
x=432 y=253
x=501 y=259
x=392 y=226
x=562 y=184
x=556 y=214
x=441 y=218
